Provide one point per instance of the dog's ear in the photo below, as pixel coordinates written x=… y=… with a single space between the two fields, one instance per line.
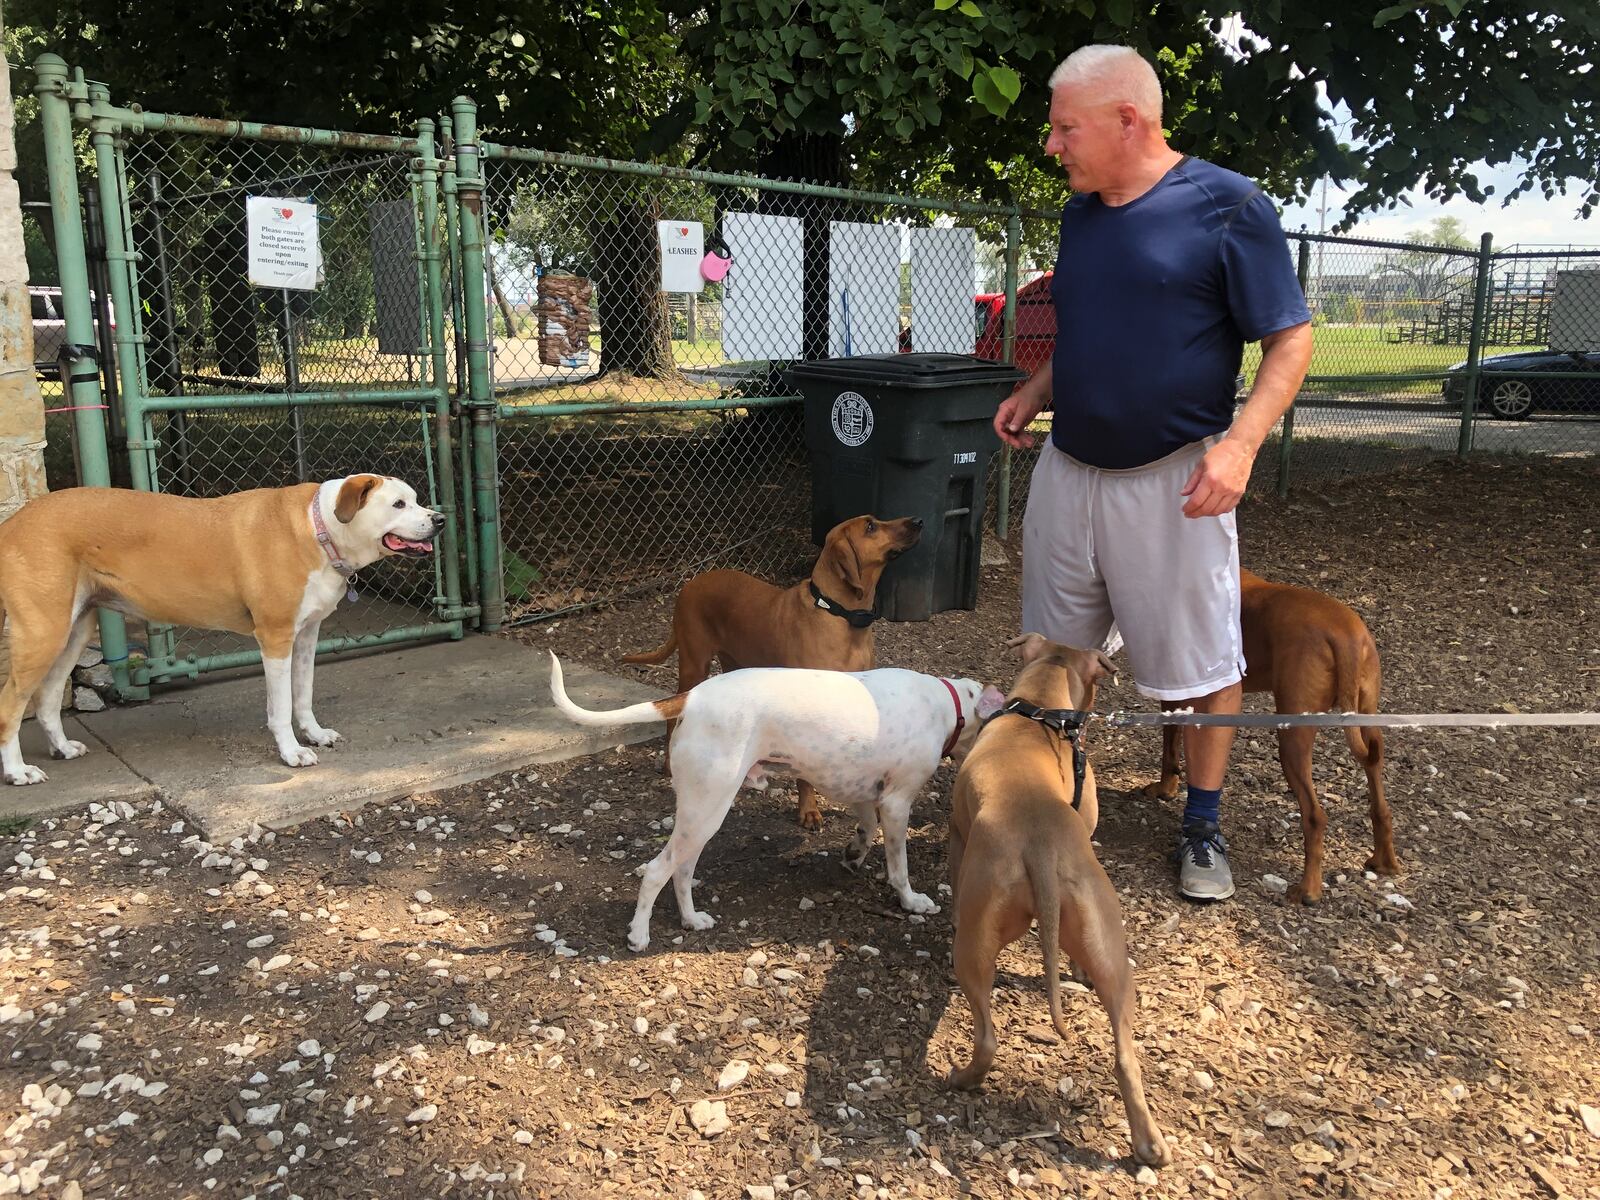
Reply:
x=841 y=552
x=352 y=495
x=991 y=701
x=1029 y=646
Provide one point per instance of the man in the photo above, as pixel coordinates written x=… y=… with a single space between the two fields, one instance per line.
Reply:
x=1167 y=266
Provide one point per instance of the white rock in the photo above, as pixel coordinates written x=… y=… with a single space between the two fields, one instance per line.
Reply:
x=276 y=961
x=641 y=1026
x=418 y=1116
x=1204 y=1081
x=258 y=943
x=1277 y=1119
x=309 y=1048
x=212 y=1156
x=758 y=959
x=791 y=1099
x=377 y=1012
x=477 y=1016
x=733 y=1074
x=424 y=897
x=477 y=1045
x=776 y=1069
x=265 y=1115
x=522 y=1137
x=1399 y=901
x=710 y=1117
x=1277 y=885
x=434 y=916
x=90 y=1042
x=760 y=1191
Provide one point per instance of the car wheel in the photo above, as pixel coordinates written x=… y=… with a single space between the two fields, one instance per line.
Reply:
x=1511 y=399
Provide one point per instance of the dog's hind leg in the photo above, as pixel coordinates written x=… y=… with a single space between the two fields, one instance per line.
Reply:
x=38 y=639
x=52 y=690
x=703 y=804
x=1294 y=753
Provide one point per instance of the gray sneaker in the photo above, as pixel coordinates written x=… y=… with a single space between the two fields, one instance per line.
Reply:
x=1203 y=872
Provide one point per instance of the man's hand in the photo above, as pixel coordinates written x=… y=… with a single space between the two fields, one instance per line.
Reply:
x=1219 y=479
x=1012 y=418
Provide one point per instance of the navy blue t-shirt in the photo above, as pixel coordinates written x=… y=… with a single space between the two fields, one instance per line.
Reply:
x=1154 y=301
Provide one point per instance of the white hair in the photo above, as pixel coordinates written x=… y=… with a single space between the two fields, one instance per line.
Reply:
x=1117 y=74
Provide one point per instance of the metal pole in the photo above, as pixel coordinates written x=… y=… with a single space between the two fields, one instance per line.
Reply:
x=291 y=385
x=469 y=193
x=1480 y=299
x=433 y=296
x=79 y=378
x=100 y=283
x=1002 y=516
x=1286 y=438
x=178 y=422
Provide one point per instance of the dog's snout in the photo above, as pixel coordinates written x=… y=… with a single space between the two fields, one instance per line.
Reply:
x=438 y=520
x=916 y=523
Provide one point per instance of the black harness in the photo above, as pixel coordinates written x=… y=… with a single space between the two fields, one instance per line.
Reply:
x=858 y=618
x=1064 y=722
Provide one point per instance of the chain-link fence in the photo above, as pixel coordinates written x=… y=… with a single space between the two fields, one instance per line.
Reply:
x=648 y=427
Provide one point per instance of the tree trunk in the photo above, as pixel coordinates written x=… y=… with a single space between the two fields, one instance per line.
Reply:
x=635 y=334
x=513 y=328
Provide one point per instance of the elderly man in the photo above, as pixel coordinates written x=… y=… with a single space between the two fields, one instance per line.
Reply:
x=1167 y=266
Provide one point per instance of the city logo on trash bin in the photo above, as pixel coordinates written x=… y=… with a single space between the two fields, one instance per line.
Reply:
x=852 y=418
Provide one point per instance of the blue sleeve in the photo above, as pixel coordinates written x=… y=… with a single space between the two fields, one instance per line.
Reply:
x=1258 y=275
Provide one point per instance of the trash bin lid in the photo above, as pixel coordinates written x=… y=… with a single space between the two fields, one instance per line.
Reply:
x=923 y=370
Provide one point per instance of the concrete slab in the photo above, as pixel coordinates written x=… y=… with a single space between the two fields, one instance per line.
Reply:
x=413 y=720
x=97 y=776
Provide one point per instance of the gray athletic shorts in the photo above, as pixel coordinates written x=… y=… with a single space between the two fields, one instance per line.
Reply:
x=1109 y=552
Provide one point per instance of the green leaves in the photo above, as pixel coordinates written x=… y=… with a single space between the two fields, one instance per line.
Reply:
x=996 y=88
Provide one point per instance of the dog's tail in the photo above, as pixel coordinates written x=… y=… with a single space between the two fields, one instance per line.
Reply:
x=635 y=714
x=1357 y=677
x=654 y=658
x=1042 y=875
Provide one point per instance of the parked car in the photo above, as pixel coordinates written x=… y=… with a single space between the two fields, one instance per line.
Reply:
x=50 y=328
x=1514 y=385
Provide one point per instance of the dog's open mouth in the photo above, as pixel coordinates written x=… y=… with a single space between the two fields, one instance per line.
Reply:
x=396 y=544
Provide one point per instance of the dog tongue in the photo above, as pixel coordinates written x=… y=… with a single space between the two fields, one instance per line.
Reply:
x=395 y=542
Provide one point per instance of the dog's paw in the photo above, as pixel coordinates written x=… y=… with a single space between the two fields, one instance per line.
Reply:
x=810 y=819
x=26 y=775
x=963 y=1078
x=318 y=736
x=916 y=902
x=1151 y=1150
x=638 y=941
x=298 y=756
x=69 y=749
x=699 y=921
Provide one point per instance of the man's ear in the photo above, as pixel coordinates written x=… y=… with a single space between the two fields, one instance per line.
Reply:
x=352 y=495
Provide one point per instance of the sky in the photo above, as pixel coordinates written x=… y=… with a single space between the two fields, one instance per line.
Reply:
x=1530 y=220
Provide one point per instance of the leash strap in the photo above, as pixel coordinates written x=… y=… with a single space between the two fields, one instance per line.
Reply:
x=1064 y=722
x=1334 y=720
x=858 y=618
x=961 y=720
x=325 y=539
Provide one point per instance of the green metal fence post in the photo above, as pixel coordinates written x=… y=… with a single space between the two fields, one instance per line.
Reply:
x=485 y=413
x=433 y=289
x=1286 y=438
x=1480 y=304
x=452 y=228
x=79 y=376
x=1002 y=518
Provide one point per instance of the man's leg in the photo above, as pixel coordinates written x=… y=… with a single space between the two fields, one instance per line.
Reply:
x=1063 y=594
x=1203 y=872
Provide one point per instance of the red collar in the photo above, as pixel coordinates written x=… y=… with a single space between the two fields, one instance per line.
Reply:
x=961 y=721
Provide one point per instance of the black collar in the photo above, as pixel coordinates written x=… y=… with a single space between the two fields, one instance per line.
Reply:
x=859 y=618
x=1065 y=722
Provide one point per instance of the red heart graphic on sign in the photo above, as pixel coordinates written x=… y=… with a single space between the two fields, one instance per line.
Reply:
x=684 y=229
x=287 y=213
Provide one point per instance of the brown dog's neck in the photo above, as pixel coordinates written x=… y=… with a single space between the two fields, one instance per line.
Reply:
x=1051 y=683
x=833 y=586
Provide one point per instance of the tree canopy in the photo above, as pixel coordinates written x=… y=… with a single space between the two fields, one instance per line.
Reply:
x=899 y=89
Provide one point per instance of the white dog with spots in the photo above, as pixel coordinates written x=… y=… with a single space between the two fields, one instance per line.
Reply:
x=868 y=740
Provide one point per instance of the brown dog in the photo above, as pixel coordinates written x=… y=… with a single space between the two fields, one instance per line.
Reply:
x=1313 y=654
x=1020 y=851
x=739 y=621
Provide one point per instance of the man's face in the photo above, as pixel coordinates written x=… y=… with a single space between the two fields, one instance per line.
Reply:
x=1088 y=137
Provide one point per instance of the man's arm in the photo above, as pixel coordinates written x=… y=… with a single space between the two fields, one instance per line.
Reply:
x=1219 y=481
x=1030 y=399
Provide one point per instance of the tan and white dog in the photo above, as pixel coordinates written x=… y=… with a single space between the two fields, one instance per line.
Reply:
x=869 y=740
x=272 y=562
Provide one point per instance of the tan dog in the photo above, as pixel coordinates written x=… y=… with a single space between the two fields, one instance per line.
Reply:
x=1313 y=654
x=272 y=562
x=740 y=621
x=1019 y=851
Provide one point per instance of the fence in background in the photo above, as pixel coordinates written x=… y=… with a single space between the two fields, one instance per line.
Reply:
x=490 y=325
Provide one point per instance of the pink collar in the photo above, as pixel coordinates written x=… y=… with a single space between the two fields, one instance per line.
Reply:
x=961 y=721
x=326 y=541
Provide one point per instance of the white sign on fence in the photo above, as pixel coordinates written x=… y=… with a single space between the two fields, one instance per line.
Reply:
x=682 y=247
x=283 y=243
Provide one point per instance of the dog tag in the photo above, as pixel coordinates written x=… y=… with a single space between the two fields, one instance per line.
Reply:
x=350 y=592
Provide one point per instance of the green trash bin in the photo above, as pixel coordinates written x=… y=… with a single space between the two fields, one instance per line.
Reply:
x=907 y=435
